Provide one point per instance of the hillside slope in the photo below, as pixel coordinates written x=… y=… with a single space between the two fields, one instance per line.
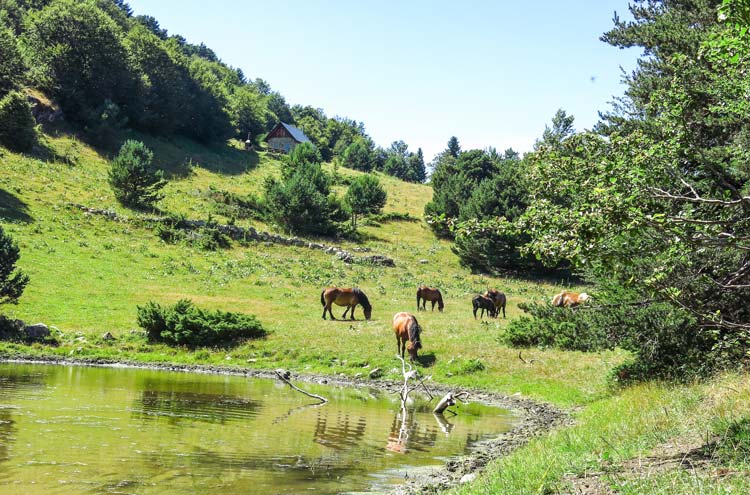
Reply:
x=88 y=274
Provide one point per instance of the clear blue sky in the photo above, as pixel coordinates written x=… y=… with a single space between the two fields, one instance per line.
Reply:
x=491 y=73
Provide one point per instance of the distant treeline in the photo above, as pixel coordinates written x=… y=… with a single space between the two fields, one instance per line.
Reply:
x=109 y=69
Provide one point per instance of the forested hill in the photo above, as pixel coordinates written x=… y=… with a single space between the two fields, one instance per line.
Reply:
x=109 y=70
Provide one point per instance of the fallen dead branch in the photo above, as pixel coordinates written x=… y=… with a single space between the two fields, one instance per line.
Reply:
x=450 y=399
x=532 y=361
x=284 y=377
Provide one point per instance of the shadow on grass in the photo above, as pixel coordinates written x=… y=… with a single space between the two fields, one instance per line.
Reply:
x=427 y=360
x=13 y=209
x=178 y=156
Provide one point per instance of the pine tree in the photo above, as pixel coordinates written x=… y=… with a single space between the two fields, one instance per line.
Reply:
x=453 y=147
x=12 y=281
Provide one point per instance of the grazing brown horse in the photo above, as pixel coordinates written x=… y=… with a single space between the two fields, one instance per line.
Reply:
x=407 y=332
x=567 y=299
x=485 y=303
x=345 y=297
x=429 y=294
x=499 y=298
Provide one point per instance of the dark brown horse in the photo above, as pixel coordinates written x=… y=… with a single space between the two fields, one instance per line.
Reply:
x=407 y=331
x=425 y=294
x=345 y=297
x=499 y=299
x=485 y=304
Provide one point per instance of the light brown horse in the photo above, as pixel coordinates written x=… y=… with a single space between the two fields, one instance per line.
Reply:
x=498 y=298
x=568 y=299
x=425 y=294
x=345 y=297
x=407 y=331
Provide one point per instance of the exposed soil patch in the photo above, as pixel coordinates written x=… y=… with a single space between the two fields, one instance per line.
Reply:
x=533 y=418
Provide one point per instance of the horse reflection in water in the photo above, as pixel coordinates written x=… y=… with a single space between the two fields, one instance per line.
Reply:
x=339 y=432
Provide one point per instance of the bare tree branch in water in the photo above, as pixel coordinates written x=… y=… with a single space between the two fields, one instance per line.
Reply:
x=284 y=377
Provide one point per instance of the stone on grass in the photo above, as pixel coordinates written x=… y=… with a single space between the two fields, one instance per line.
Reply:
x=38 y=331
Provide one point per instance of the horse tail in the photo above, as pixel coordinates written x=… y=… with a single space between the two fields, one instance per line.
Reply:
x=414 y=331
x=322 y=298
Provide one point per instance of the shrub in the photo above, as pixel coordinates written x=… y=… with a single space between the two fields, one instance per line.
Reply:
x=364 y=196
x=185 y=324
x=12 y=281
x=460 y=366
x=733 y=445
x=548 y=326
x=300 y=202
x=133 y=184
x=16 y=122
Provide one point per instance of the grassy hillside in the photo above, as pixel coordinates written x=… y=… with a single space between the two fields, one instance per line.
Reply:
x=89 y=273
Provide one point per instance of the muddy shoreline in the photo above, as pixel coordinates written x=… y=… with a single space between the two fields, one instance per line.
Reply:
x=533 y=418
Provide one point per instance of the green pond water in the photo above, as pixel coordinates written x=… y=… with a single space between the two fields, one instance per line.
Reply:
x=79 y=430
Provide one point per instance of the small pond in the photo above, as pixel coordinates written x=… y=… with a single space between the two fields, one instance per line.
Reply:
x=79 y=430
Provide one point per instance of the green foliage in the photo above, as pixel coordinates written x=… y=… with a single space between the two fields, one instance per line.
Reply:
x=562 y=128
x=300 y=202
x=365 y=195
x=399 y=162
x=453 y=182
x=301 y=156
x=76 y=54
x=733 y=444
x=164 y=81
x=17 y=125
x=548 y=326
x=12 y=281
x=358 y=155
x=187 y=325
x=454 y=148
x=658 y=207
x=12 y=68
x=461 y=366
x=132 y=182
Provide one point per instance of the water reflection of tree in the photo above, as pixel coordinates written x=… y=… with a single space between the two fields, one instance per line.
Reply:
x=177 y=406
x=341 y=432
x=7 y=432
x=407 y=433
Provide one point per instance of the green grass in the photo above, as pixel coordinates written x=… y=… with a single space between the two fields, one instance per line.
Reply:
x=88 y=274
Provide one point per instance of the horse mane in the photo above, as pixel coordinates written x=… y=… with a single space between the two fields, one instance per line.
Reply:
x=440 y=299
x=414 y=330
x=362 y=298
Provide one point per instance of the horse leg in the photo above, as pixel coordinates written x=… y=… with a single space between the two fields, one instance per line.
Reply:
x=345 y=312
x=503 y=310
x=475 y=312
x=433 y=305
x=352 y=313
x=330 y=311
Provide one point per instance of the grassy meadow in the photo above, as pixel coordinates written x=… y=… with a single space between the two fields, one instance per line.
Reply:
x=88 y=274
